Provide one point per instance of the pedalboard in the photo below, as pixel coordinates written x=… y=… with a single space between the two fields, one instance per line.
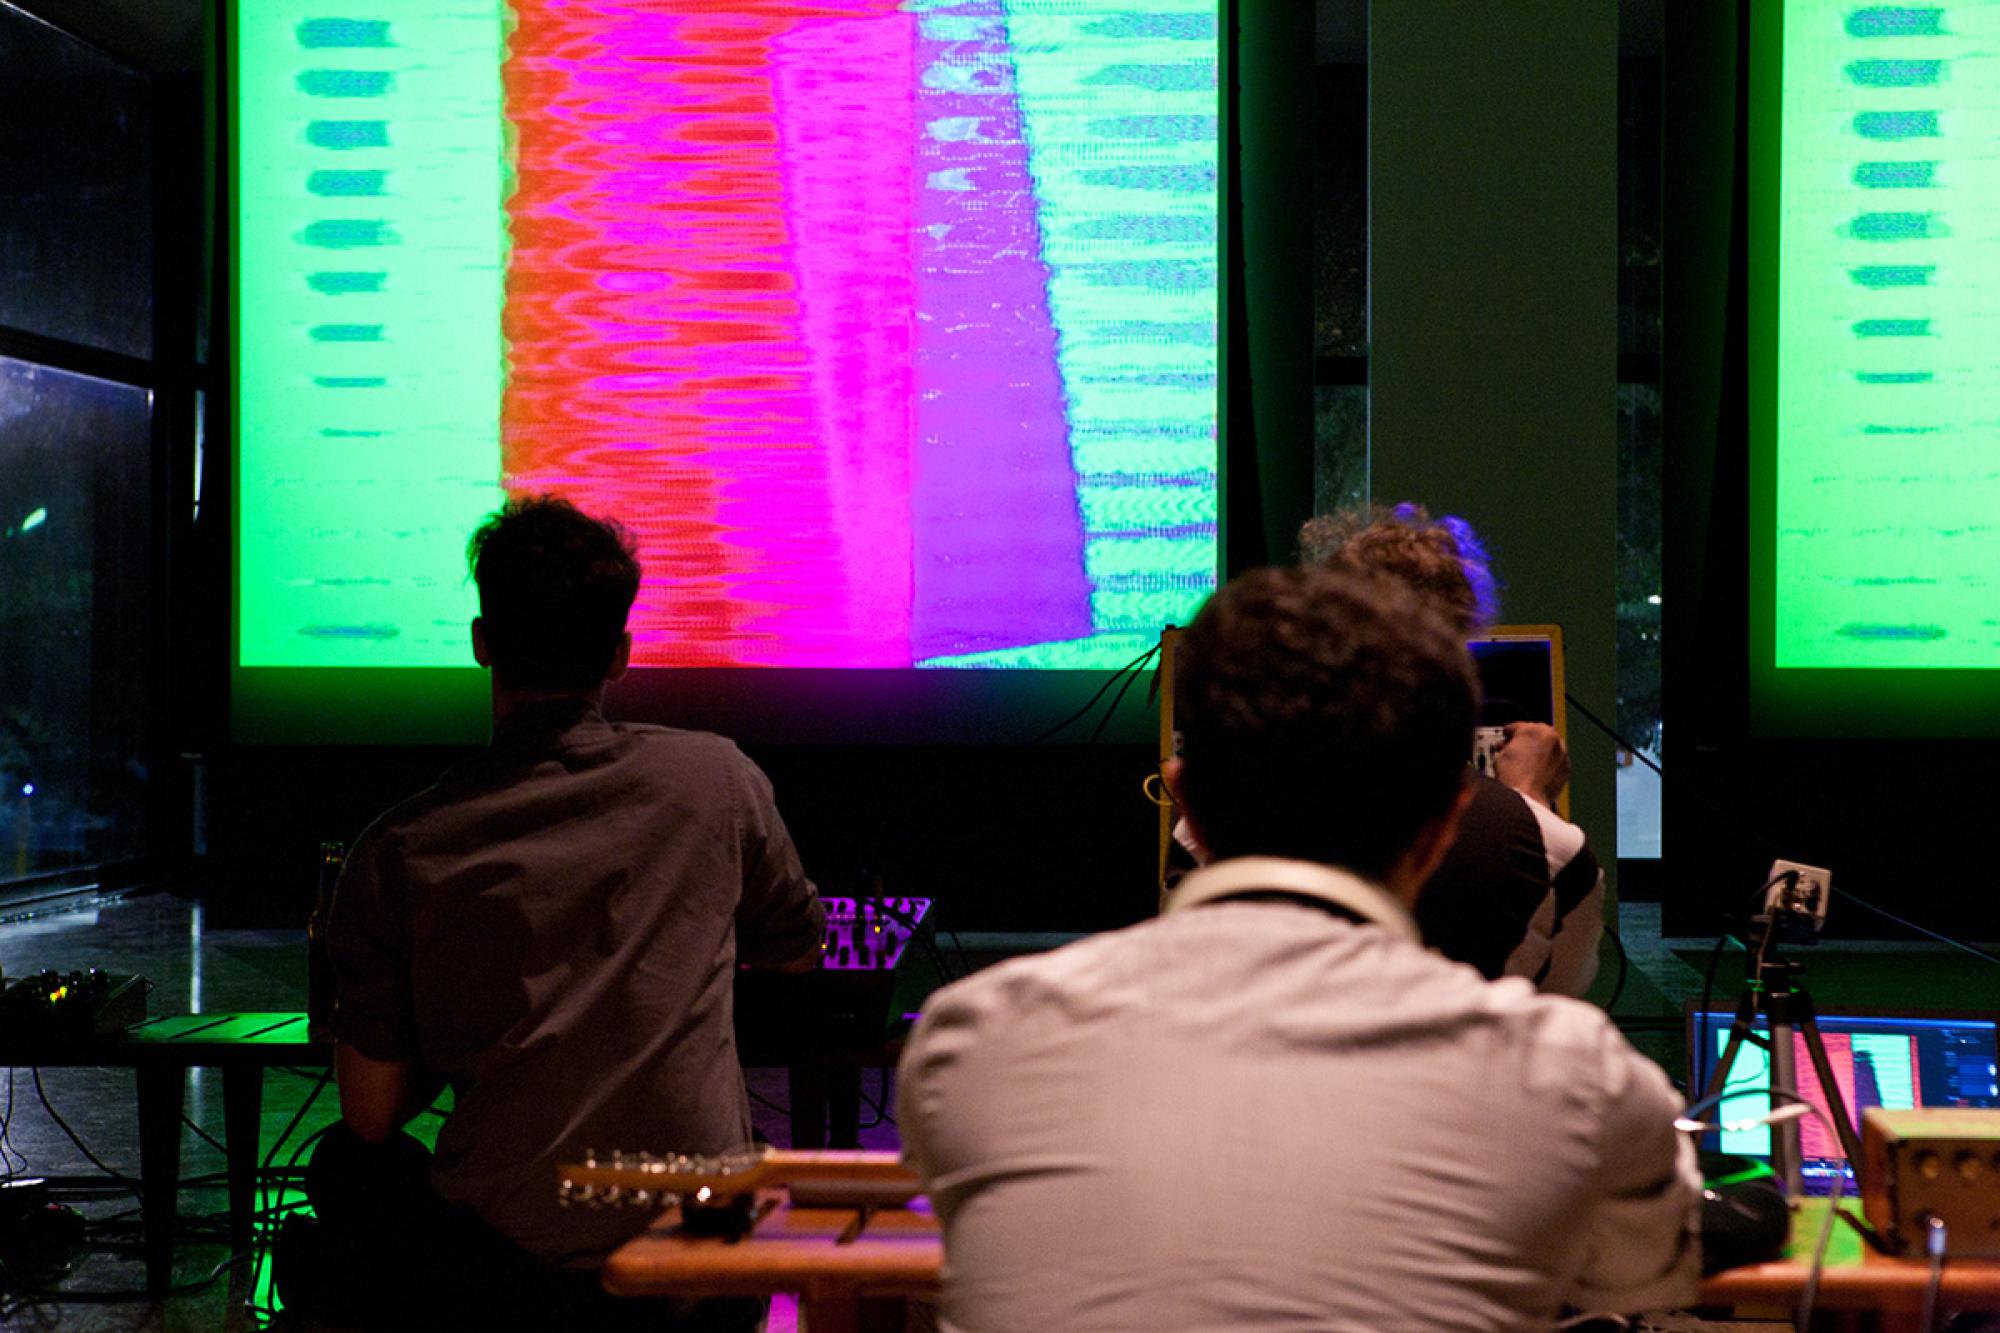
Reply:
x=869 y=934
x=1935 y=1162
x=69 y=1006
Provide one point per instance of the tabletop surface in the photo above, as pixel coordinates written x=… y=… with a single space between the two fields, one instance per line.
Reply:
x=263 y=1038
x=276 y=1028
x=885 y=1251
x=899 y=1251
x=1855 y=1276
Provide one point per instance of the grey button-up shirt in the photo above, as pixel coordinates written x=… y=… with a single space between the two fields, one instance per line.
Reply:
x=1261 y=1114
x=554 y=928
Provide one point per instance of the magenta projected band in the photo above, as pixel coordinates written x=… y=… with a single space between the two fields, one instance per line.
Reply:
x=888 y=327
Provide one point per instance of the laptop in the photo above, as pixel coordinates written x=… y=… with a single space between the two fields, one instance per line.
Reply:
x=1892 y=1058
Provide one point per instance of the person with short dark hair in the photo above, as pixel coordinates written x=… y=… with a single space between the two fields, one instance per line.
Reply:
x=555 y=588
x=1272 y=1106
x=553 y=932
x=1520 y=894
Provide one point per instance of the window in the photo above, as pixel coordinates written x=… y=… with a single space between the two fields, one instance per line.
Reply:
x=76 y=447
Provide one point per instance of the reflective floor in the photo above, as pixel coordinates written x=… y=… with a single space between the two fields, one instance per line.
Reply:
x=193 y=969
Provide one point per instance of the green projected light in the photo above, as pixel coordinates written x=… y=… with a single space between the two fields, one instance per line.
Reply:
x=1875 y=401
x=369 y=247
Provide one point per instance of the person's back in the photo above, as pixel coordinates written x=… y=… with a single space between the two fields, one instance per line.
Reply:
x=1272 y=1107
x=573 y=901
x=552 y=931
x=1296 y=1122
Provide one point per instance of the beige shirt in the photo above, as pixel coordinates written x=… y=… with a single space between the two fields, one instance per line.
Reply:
x=1265 y=1115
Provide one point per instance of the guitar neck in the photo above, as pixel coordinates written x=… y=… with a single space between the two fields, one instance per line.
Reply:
x=654 y=1176
x=784 y=1165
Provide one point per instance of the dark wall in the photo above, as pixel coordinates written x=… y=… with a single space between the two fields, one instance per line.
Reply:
x=1055 y=837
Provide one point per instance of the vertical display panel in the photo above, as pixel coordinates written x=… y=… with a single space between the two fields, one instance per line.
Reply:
x=888 y=328
x=1875 y=406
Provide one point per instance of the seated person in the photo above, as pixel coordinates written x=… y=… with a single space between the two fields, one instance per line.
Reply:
x=1272 y=1106
x=553 y=929
x=1519 y=894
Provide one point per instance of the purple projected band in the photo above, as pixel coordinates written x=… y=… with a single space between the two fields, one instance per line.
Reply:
x=998 y=537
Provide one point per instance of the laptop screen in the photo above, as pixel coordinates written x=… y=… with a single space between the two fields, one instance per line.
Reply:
x=1897 y=1061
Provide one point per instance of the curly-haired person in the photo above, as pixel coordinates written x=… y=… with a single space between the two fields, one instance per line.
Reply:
x=1520 y=894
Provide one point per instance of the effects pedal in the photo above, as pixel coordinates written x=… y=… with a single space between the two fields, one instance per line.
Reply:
x=73 y=1006
x=869 y=934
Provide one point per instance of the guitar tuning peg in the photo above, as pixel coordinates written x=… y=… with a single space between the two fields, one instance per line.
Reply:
x=642 y=1198
x=590 y=1157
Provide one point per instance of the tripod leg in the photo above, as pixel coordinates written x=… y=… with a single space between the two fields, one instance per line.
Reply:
x=1836 y=1105
x=1787 y=1153
x=1739 y=1031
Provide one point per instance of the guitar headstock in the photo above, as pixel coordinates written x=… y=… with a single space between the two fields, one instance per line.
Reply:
x=644 y=1180
x=647 y=1180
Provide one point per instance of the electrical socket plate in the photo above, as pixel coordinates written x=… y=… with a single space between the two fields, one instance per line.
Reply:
x=1808 y=897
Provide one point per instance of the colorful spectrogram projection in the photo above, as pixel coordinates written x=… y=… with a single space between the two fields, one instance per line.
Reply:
x=1887 y=489
x=889 y=328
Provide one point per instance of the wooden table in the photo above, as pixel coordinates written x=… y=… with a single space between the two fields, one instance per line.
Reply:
x=853 y=1272
x=160 y=1051
x=859 y=1282
x=1871 y=1290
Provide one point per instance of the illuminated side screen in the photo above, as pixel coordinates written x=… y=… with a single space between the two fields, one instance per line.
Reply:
x=1886 y=496
x=888 y=328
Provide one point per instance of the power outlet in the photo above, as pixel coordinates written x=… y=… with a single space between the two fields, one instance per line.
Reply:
x=1800 y=889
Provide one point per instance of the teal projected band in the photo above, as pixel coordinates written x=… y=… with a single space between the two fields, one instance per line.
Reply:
x=369 y=365
x=1887 y=414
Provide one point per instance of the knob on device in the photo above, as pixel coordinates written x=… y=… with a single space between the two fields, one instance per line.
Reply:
x=1939 y=1162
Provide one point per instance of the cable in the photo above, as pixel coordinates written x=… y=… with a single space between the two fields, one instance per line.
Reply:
x=958 y=946
x=1715 y=956
x=203 y=1134
x=1703 y=1029
x=1136 y=664
x=319 y=1085
x=1606 y=728
x=923 y=940
x=63 y=1125
x=880 y=1108
x=1857 y=900
x=7 y=1150
x=1798 y=1108
x=1117 y=699
x=1934 y=1243
x=1972 y=949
